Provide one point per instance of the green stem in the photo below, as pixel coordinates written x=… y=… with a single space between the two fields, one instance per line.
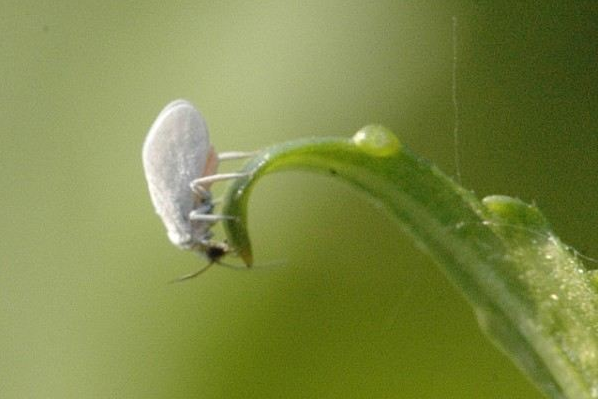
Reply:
x=531 y=294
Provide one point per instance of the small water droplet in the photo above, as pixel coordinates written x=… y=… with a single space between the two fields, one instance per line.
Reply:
x=377 y=140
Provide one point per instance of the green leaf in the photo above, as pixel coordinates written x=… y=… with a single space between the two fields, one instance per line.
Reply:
x=531 y=293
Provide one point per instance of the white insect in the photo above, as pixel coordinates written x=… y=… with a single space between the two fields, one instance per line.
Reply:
x=180 y=165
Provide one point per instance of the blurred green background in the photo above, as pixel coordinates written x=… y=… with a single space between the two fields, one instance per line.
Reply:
x=354 y=310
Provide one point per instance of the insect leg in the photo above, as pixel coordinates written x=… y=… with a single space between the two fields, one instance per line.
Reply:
x=204 y=194
x=204 y=208
x=236 y=155
x=200 y=183
x=197 y=215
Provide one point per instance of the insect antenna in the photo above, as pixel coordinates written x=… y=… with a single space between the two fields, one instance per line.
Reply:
x=194 y=274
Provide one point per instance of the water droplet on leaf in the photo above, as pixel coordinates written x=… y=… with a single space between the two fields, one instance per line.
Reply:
x=377 y=140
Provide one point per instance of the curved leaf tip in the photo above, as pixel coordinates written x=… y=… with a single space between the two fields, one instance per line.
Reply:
x=369 y=143
x=529 y=290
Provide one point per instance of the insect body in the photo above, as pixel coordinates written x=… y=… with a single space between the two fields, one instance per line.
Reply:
x=180 y=164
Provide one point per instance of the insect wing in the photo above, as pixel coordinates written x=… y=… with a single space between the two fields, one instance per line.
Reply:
x=175 y=152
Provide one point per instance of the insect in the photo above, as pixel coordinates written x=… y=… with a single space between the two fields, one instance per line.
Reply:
x=180 y=165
